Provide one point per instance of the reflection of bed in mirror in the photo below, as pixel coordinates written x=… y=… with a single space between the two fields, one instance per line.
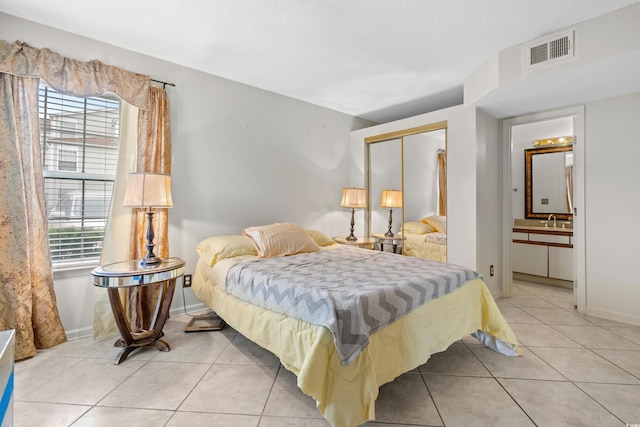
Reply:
x=426 y=238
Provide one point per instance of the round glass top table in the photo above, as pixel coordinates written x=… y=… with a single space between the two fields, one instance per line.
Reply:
x=362 y=242
x=126 y=275
x=394 y=241
x=130 y=273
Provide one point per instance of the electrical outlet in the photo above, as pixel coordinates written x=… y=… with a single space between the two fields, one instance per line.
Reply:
x=186 y=281
x=491 y=271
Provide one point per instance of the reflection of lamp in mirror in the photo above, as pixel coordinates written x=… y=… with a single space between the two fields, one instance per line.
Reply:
x=148 y=191
x=391 y=199
x=354 y=198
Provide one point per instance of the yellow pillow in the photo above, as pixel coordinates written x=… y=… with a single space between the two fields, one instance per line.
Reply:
x=437 y=222
x=280 y=239
x=217 y=248
x=320 y=238
x=417 y=228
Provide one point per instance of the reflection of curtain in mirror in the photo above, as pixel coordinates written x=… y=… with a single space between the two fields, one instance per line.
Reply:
x=442 y=183
x=569 y=176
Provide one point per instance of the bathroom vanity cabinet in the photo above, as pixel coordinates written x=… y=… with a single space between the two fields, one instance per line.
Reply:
x=545 y=252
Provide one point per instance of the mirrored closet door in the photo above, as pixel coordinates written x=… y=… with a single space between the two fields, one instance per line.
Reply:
x=406 y=189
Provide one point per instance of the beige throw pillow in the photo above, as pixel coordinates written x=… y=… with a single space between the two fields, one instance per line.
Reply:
x=280 y=239
x=437 y=222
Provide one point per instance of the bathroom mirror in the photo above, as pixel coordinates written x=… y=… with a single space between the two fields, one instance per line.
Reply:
x=549 y=182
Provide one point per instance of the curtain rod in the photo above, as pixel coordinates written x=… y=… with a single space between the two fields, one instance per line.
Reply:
x=164 y=84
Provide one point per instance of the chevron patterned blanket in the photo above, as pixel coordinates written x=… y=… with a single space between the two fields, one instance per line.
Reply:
x=352 y=292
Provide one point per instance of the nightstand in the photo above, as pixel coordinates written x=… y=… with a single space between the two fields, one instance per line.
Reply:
x=362 y=242
x=127 y=274
x=395 y=241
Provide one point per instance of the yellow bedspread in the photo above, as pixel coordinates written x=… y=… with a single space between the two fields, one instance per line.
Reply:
x=415 y=245
x=346 y=395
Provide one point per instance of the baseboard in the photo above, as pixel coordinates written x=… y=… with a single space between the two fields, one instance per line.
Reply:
x=87 y=331
x=190 y=309
x=543 y=280
x=613 y=315
x=75 y=334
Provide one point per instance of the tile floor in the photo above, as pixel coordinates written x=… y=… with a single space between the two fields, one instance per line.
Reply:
x=575 y=370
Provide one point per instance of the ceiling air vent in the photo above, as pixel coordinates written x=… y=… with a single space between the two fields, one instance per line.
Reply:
x=550 y=49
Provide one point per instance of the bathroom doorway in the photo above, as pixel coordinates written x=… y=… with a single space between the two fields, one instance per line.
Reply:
x=543 y=193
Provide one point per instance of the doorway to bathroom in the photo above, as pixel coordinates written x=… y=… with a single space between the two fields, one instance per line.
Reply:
x=543 y=194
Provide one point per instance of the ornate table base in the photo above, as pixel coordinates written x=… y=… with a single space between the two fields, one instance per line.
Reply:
x=133 y=340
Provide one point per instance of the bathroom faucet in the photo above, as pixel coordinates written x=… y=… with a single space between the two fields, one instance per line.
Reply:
x=554 y=219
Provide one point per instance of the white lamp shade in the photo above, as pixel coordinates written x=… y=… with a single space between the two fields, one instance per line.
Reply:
x=354 y=198
x=391 y=199
x=148 y=190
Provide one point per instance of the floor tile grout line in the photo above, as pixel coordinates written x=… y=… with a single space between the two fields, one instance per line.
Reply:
x=146 y=362
x=614 y=363
x=516 y=402
x=586 y=326
x=266 y=402
x=435 y=405
x=547 y=363
x=595 y=400
x=50 y=379
x=502 y=386
x=192 y=389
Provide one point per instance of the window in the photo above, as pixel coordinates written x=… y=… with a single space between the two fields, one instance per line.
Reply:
x=79 y=143
x=67 y=160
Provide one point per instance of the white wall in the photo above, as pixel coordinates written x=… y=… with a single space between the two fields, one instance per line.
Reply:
x=488 y=201
x=613 y=208
x=607 y=56
x=241 y=156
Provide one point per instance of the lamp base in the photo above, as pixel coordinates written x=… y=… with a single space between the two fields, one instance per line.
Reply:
x=351 y=237
x=150 y=262
x=389 y=233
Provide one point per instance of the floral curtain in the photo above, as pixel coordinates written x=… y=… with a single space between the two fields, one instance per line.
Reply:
x=27 y=298
x=442 y=183
x=153 y=155
x=74 y=77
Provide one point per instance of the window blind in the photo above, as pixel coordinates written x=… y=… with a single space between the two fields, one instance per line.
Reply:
x=79 y=143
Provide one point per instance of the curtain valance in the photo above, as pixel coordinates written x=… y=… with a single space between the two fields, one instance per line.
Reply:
x=74 y=77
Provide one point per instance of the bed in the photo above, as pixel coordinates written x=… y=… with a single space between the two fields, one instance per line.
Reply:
x=426 y=238
x=344 y=383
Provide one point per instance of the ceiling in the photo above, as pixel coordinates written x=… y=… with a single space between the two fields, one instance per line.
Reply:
x=377 y=59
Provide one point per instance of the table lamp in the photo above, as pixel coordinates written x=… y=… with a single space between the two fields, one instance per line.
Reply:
x=148 y=191
x=391 y=199
x=354 y=198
